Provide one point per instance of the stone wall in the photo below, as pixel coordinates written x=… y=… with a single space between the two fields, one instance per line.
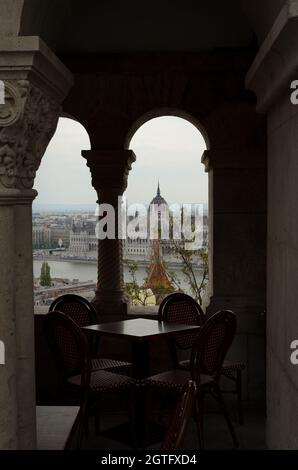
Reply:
x=282 y=329
x=270 y=77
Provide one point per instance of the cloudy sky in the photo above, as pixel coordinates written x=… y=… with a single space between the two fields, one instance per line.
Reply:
x=167 y=148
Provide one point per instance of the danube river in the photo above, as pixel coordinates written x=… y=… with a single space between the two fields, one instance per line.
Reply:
x=84 y=271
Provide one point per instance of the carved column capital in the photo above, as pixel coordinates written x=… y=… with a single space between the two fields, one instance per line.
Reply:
x=234 y=158
x=109 y=169
x=28 y=120
x=276 y=63
x=35 y=84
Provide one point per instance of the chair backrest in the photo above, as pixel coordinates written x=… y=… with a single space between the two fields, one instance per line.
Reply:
x=81 y=312
x=214 y=340
x=77 y=308
x=69 y=345
x=181 y=308
x=182 y=414
x=72 y=354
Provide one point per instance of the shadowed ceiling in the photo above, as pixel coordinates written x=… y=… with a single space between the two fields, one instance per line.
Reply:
x=77 y=26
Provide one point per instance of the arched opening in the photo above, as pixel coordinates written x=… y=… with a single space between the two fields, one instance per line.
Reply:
x=166 y=112
x=168 y=145
x=64 y=219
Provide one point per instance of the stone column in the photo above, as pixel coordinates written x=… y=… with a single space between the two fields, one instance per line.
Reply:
x=35 y=84
x=273 y=78
x=8 y=389
x=109 y=170
x=237 y=240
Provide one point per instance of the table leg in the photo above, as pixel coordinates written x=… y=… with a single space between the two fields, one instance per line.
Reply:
x=140 y=359
x=140 y=371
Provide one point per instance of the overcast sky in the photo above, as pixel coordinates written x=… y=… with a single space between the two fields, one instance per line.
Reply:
x=167 y=148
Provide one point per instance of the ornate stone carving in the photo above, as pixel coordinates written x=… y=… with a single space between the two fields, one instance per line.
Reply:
x=11 y=109
x=28 y=120
x=109 y=168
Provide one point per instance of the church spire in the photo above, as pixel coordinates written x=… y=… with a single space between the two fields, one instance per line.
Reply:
x=158 y=189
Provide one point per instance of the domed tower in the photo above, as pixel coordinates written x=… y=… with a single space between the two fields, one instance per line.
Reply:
x=158 y=199
x=158 y=208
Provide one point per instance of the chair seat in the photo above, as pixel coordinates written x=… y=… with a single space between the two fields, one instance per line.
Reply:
x=228 y=366
x=175 y=380
x=110 y=364
x=104 y=381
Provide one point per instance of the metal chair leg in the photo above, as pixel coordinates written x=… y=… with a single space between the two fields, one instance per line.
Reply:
x=97 y=420
x=222 y=404
x=199 y=420
x=239 y=396
x=74 y=440
x=200 y=410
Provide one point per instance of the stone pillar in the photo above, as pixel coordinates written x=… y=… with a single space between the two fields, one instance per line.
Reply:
x=237 y=240
x=270 y=77
x=35 y=85
x=8 y=389
x=109 y=170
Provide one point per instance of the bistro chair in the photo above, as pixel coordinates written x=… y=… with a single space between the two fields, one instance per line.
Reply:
x=83 y=313
x=181 y=308
x=207 y=356
x=73 y=359
x=182 y=414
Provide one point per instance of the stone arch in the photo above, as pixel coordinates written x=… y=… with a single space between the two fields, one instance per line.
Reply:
x=165 y=111
x=73 y=117
x=190 y=119
x=78 y=146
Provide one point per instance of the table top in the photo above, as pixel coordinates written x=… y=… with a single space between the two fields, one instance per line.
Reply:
x=140 y=329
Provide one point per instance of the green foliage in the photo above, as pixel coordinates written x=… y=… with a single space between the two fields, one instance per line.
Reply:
x=138 y=295
x=188 y=262
x=45 y=275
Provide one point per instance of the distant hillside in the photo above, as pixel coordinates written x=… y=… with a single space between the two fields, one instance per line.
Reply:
x=70 y=208
x=64 y=208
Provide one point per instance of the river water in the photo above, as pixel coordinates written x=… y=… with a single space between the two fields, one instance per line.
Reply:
x=88 y=272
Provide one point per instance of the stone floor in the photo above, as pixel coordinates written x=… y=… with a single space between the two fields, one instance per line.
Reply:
x=251 y=435
x=54 y=430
